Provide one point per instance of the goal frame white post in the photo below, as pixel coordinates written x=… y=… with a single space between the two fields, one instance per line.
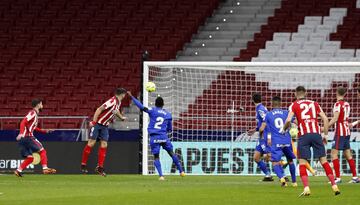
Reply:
x=206 y=65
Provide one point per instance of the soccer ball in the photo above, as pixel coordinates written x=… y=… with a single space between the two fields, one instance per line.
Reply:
x=150 y=87
x=294 y=132
x=36 y=157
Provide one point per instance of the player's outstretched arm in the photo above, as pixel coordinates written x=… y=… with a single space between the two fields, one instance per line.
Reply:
x=354 y=124
x=138 y=103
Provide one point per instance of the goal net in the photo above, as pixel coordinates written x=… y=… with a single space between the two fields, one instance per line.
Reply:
x=212 y=108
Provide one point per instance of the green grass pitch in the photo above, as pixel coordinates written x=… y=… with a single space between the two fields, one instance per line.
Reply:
x=147 y=190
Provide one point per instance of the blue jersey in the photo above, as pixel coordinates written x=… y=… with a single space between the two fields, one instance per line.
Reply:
x=160 y=121
x=260 y=115
x=275 y=121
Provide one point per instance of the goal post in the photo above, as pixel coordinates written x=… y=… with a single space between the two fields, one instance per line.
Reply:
x=212 y=108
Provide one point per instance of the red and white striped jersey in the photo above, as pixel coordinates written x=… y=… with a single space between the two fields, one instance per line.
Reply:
x=111 y=107
x=342 y=124
x=29 y=124
x=306 y=113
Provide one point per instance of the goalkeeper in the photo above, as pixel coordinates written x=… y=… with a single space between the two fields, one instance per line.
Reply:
x=159 y=126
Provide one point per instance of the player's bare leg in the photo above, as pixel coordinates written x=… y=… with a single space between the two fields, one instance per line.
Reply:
x=348 y=156
x=336 y=164
x=101 y=158
x=46 y=169
x=330 y=175
x=85 y=156
x=28 y=160
x=262 y=166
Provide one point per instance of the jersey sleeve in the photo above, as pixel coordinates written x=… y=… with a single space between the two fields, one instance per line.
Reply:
x=262 y=114
x=291 y=108
x=111 y=102
x=336 y=107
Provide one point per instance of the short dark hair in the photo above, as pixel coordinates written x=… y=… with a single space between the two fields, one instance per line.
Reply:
x=120 y=91
x=300 y=89
x=256 y=97
x=341 y=91
x=358 y=89
x=35 y=102
x=276 y=99
x=159 y=102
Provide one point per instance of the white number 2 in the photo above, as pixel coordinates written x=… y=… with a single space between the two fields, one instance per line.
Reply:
x=279 y=123
x=159 y=122
x=304 y=114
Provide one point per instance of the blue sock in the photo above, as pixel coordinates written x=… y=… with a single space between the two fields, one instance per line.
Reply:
x=158 y=167
x=177 y=163
x=279 y=171
x=292 y=172
x=263 y=167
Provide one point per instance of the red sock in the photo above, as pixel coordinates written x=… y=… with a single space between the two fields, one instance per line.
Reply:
x=43 y=157
x=26 y=163
x=329 y=172
x=336 y=167
x=85 y=155
x=101 y=157
x=304 y=175
x=352 y=167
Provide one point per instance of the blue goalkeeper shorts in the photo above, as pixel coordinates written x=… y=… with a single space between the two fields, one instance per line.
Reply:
x=157 y=141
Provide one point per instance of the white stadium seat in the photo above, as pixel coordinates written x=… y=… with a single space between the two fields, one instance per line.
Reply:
x=299 y=37
x=306 y=28
x=345 y=53
x=267 y=53
x=281 y=37
x=331 y=45
x=291 y=45
x=338 y=12
x=324 y=29
x=286 y=54
x=312 y=46
x=318 y=37
x=271 y=45
x=324 y=54
x=329 y=20
x=357 y=53
x=313 y=20
x=305 y=53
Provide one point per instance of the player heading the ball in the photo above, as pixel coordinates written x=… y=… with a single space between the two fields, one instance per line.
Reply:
x=159 y=127
x=28 y=144
x=103 y=116
x=307 y=113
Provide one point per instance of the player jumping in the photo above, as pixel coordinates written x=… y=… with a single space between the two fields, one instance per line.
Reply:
x=280 y=143
x=306 y=113
x=261 y=149
x=342 y=135
x=28 y=144
x=159 y=126
x=100 y=131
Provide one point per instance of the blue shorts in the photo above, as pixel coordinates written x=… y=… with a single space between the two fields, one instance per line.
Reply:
x=307 y=141
x=279 y=150
x=29 y=145
x=341 y=143
x=157 y=141
x=99 y=132
x=262 y=147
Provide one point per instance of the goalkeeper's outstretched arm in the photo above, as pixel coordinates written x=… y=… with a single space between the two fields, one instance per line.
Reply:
x=138 y=103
